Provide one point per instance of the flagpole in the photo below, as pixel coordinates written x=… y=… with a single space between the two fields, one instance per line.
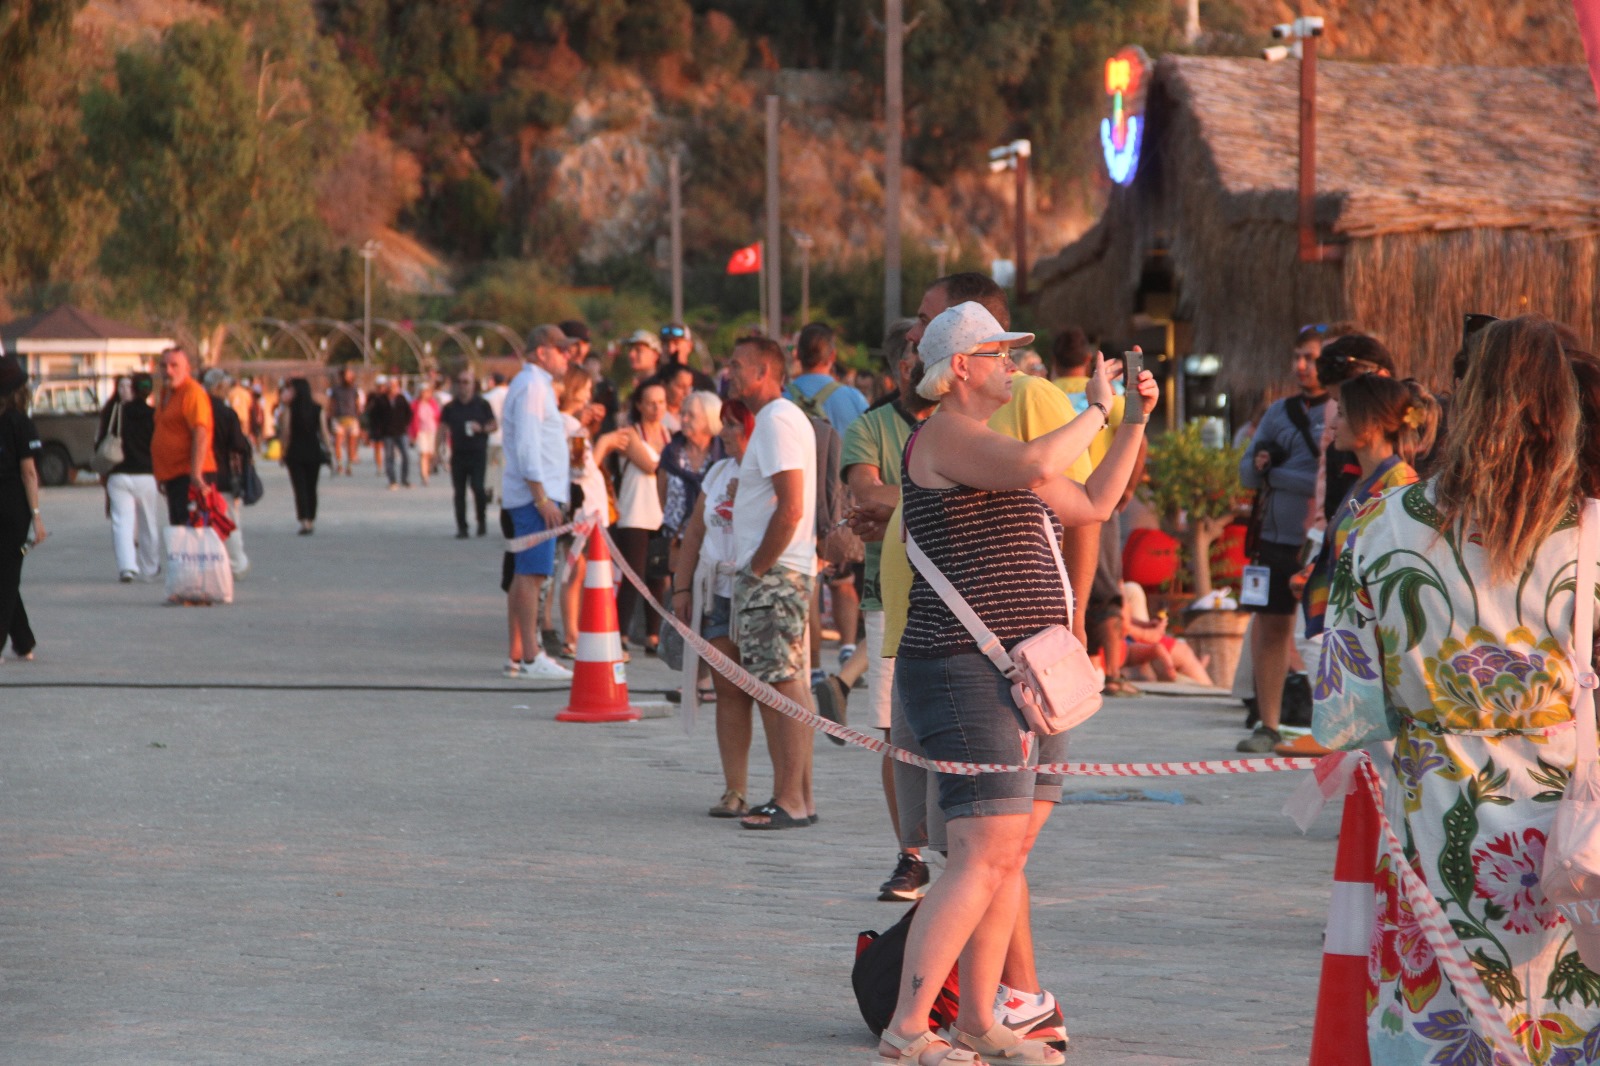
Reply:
x=761 y=282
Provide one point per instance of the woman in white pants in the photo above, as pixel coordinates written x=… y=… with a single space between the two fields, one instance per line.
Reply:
x=133 y=502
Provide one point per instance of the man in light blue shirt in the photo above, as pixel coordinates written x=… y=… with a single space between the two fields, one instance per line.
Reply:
x=816 y=390
x=533 y=490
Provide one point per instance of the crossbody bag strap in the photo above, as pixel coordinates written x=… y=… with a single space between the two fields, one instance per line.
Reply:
x=1061 y=566
x=1583 y=711
x=988 y=643
x=115 y=429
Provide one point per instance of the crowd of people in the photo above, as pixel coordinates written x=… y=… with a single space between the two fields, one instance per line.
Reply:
x=1412 y=552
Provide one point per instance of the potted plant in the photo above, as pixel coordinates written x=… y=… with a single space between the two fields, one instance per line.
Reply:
x=1194 y=490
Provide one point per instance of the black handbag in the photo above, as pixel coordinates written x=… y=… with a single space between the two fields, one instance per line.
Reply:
x=250 y=487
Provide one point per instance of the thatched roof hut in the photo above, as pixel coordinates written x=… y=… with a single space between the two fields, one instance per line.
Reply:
x=1452 y=189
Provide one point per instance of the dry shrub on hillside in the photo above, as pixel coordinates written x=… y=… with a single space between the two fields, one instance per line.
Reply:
x=366 y=190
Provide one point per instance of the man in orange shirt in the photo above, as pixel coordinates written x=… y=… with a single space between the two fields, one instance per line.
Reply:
x=180 y=450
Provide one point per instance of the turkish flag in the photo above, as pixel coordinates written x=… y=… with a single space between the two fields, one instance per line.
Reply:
x=746 y=260
x=1589 y=28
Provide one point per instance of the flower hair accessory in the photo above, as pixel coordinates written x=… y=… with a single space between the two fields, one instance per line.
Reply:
x=1413 y=417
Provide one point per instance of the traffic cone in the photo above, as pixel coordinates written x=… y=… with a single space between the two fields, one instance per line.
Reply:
x=1339 y=1037
x=599 y=678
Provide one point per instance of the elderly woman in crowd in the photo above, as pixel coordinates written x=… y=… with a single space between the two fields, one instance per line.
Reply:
x=981 y=506
x=702 y=596
x=1449 y=624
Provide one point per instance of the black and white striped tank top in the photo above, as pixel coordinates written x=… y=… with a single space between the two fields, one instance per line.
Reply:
x=992 y=548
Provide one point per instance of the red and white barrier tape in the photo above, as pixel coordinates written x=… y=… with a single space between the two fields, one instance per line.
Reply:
x=771 y=697
x=533 y=540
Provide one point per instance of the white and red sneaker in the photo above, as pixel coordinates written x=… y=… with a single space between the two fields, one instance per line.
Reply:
x=1031 y=1016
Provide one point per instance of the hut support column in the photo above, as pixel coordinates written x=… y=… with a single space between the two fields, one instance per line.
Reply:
x=1311 y=251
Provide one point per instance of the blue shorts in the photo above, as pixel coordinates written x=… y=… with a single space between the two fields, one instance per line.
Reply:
x=539 y=560
x=719 y=619
x=960 y=709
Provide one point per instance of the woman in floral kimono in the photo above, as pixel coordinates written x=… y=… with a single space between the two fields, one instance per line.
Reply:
x=1448 y=628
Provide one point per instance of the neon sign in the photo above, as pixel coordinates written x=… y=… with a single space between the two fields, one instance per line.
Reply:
x=1122 y=134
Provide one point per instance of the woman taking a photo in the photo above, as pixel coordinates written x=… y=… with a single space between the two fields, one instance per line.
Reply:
x=305 y=448
x=1449 y=621
x=980 y=505
x=19 y=503
x=639 y=507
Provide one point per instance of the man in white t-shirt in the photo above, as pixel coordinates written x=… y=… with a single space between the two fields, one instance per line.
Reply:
x=774 y=516
x=534 y=491
x=496 y=395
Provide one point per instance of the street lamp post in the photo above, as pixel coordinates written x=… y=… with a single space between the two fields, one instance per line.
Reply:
x=675 y=180
x=770 y=257
x=804 y=242
x=940 y=248
x=1304 y=32
x=1014 y=156
x=368 y=251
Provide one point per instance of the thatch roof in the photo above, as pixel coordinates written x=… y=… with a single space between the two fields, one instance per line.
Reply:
x=1454 y=188
x=1403 y=148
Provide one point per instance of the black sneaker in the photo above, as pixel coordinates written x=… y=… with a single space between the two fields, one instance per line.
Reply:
x=908 y=882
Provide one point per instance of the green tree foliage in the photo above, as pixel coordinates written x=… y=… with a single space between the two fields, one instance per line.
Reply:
x=518 y=292
x=209 y=144
x=977 y=75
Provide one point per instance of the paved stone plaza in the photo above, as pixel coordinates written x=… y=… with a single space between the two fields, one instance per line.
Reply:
x=317 y=826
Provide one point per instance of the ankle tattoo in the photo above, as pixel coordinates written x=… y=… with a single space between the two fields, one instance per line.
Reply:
x=916 y=982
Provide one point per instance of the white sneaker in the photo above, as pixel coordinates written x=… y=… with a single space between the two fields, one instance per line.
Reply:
x=544 y=668
x=1032 y=1017
x=512 y=668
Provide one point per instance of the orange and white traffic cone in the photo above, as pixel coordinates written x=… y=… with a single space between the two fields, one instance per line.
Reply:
x=1339 y=1037
x=599 y=678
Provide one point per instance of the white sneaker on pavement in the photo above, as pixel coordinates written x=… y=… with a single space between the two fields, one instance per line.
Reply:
x=1032 y=1016
x=544 y=668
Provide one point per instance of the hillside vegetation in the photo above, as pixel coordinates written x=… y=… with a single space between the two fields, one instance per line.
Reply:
x=190 y=163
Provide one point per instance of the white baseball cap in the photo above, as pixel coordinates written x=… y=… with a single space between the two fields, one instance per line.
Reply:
x=960 y=330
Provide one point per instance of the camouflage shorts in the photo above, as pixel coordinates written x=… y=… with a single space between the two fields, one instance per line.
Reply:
x=769 y=621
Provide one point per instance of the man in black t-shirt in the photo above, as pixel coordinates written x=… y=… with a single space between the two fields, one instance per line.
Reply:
x=470 y=420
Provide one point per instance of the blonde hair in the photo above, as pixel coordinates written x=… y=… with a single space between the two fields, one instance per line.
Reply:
x=937 y=380
x=709 y=407
x=1510 y=466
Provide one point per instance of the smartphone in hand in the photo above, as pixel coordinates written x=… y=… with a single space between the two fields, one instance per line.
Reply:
x=1132 y=366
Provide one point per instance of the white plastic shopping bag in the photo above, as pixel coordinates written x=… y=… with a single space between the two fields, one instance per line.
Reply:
x=197 y=566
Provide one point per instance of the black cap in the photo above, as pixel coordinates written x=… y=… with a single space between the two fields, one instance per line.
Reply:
x=575 y=329
x=12 y=375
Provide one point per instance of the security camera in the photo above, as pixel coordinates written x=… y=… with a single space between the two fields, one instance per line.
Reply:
x=1000 y=154
x=1283 y=29
x=1277 y=53
x=999 y=166
x=1309 y=26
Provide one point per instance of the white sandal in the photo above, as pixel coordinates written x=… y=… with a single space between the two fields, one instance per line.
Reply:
x=911 y=1051
x=1002 y=1045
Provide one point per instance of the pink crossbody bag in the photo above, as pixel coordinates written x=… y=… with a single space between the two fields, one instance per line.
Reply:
x=1053 y=681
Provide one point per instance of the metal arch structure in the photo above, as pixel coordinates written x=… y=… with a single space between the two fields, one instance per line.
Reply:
x=454 y=332
x=283 y=326
x=500 y=330
x=345 y=330
x=420 y=352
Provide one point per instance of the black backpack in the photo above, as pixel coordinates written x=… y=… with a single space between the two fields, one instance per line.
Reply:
x=876 y=978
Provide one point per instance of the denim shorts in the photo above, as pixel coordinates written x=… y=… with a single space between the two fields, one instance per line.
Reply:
x=716 y=621
x=960 y=709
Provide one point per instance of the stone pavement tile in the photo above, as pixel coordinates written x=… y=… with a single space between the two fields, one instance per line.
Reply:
x=260 y=876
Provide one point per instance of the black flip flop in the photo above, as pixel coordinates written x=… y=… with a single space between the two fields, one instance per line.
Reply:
x=777 y=818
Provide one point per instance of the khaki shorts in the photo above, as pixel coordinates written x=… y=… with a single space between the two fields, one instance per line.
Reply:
x=770 y=618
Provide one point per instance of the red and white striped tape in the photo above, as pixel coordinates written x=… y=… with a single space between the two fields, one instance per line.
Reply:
x=771 y=697
x=533 y=540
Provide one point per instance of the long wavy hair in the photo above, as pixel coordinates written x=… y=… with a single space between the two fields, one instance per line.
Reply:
x=1510 y=469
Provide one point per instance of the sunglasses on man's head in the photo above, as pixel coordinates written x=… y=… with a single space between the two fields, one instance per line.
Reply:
x=673 y=331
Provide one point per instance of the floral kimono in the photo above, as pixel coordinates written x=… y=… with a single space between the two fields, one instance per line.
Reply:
x=1391 y=473
x=1471 y=679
